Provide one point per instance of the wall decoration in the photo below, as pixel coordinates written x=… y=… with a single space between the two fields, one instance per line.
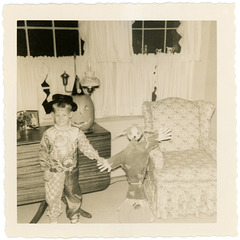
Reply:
x=46 y=89
x=154 y=95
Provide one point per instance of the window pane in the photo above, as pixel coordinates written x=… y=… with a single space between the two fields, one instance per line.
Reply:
x=154 y=39
x=67 y=42
x=40 y=42
x=137 y=41
x=20 y=23
x=172 y=40
x=137 y=24
x=154 y=24
x=21 y=43
x=39 y=23
x=173 y=24
x=66 y=23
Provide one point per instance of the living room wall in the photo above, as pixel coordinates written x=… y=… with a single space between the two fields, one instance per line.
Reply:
x=211 y=76
x=205 y=72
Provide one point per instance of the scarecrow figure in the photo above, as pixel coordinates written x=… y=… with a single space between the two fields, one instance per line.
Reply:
x=134 y=160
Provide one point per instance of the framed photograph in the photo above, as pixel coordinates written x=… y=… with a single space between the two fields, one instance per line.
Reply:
x=27 y=119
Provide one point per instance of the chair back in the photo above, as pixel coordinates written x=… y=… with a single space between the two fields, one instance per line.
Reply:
x=188 y=120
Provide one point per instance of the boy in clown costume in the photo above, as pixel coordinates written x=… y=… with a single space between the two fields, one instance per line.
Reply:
x=58 y=160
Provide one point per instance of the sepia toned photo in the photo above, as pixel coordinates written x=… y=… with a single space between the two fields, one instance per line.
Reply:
x=119 y=123
x=169 y=179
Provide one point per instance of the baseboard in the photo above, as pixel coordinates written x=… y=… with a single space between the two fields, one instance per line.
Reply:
x=118 y=179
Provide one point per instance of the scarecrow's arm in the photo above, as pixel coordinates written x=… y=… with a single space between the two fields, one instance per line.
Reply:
x=113 y=162
x=116 y=160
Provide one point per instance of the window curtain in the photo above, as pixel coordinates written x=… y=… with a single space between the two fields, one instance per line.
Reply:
x=126 y=80
x=191 y=39
x=107 y=41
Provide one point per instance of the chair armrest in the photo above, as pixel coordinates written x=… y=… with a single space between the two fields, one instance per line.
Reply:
x=210 y=146
x=155 y=163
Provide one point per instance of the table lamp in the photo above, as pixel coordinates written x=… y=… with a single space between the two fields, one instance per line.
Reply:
x=89 y=81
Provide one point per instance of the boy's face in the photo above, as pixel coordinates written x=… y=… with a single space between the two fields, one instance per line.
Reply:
x=62 y=116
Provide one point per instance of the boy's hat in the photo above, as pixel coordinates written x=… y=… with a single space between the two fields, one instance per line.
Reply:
x=60 y=98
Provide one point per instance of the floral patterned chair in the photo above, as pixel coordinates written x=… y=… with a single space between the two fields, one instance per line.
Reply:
x=182 y=172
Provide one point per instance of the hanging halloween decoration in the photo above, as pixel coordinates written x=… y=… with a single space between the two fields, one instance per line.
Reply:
x=154 y=95
x=134 y=160
x=46 y=90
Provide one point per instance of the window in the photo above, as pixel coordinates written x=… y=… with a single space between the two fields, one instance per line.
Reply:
x=153 y=36
x=61 y=38
x=48 y=38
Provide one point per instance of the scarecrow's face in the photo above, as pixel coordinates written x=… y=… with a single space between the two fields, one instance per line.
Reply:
x=134 y=133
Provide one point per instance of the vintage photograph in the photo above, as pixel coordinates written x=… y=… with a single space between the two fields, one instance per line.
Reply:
x=119 y=122
x=146 y=73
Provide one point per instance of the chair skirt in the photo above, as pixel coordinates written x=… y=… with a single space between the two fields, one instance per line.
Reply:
x=185 y=185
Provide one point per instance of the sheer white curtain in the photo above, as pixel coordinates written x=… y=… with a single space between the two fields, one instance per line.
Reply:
x=107 y=41
x=191 y=39
x=126 y=79
x=125 y=85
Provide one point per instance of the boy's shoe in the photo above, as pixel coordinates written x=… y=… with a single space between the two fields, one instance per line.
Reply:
x=75 y=221
x=84 y=213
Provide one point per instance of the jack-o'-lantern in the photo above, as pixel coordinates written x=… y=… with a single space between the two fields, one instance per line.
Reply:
x=84 y=116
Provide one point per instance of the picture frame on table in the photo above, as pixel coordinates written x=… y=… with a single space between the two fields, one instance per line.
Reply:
x=27 y=119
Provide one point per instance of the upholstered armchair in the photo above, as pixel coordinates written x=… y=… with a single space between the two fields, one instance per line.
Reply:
x=182 y=175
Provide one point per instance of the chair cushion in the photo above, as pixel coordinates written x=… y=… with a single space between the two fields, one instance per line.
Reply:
x=182 y=117
x=188 y=165
x=186 y=185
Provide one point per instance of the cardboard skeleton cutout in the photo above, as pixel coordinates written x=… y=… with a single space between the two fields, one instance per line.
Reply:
x=134 y=160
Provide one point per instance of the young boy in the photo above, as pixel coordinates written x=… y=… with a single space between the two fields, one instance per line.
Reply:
x=58 y=160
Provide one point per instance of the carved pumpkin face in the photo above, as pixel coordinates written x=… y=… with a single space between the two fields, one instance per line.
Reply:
x=84 y=116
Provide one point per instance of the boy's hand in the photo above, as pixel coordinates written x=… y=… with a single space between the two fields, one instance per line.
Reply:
x=47 y=175
x=164 y=134
x=104 y=165
x=100 y=160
